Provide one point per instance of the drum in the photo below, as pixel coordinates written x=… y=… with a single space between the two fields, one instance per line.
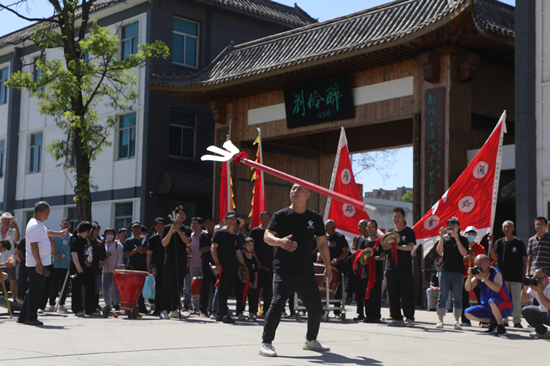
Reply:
x=196 y=286
x=333 y=285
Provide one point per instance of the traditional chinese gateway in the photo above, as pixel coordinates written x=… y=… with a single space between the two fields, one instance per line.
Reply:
x=432 y=74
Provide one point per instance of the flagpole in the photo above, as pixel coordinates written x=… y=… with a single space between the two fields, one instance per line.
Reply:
x=261 y=172
x=497 y=170
x=335 y=171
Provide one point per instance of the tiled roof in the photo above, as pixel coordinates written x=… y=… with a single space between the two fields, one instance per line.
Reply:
x=25 y=33
x=379 y=27
x=184 y=184
x=293 y=16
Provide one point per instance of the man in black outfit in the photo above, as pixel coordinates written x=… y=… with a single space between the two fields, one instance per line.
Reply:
x=339 y=250
x=264 y=253
x=175 y=239
x=373 y=276
x=155 y=259
x=136 y=253
x=226 y=254
x=399 y=272
x=293 y=230
x=208 y=280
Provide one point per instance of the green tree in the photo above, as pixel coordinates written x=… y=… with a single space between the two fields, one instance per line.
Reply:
x=407 y=197
x=90 y=74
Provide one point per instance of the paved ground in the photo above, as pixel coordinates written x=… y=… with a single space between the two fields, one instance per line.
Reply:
x=68 y=340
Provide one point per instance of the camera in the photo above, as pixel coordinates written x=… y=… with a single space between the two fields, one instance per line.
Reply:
x=476 y=270
x=450 y=230
x=530 y=281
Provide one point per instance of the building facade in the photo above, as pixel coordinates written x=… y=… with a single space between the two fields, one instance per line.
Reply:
x=153 y=164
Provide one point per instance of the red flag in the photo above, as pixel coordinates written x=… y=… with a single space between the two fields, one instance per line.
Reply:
x=473 y=196
x=226 y=191
x=258 y=195
x=344 y=215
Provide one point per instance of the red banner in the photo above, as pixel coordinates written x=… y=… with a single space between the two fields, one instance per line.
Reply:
x=473 y=196
x=226 y=191
x=345 y=216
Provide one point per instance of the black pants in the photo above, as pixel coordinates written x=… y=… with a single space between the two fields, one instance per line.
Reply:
x=253 y=296
x=172 y=285
x=58 y=277
x=23 y=281
x=401 y=293
x=360 y=296
x=372 y=304
x=284 y=285
x=33 y=296
x=208 y=281
x=227 y=281
x=46 y=290
x=158 y=289
x=265 y=284
x=239 y=289
x=86 y=280
x=466 y=301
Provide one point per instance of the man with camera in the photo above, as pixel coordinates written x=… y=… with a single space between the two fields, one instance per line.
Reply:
x=495 y=301
x=537 y=316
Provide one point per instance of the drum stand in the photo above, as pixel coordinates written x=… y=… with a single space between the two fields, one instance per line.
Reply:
x=337 y=304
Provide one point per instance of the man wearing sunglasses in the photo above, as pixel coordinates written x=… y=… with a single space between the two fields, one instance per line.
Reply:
x=537 y=316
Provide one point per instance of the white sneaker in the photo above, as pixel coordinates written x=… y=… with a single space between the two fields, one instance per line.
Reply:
x=80 y=313
x=19 y=301
x=315 y=345
x=40 y=311
x=174 y=314
x=267 y=350
x=252 y=317
x=458 y=326
x=164 y=314
x=409 y=323
x=61 y=309
x=50 y=309
x=439 y=325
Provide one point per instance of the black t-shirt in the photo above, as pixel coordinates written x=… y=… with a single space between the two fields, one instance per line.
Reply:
x=252 y=265
x=510 y=258
x=303 y=227
x=22 y=246
x=83 y=249
x=336 y=245
x=379 y=264
x=361 y=243
x=155 y=245
x=99 y=255
x=228 y=244
x=263 y=250
x=205 y=240
x=453 y=261
x=404 y=258
x=434 y=280
x=170 y=249
x=139 y=260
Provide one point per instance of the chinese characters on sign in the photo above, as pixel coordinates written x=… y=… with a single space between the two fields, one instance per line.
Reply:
x=434 y=137
x=321 y=101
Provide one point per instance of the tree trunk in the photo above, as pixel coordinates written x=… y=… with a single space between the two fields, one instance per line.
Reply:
x=82 y=187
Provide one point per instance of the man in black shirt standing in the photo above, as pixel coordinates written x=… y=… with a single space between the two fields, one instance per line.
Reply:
x=136 y=253
x=399 y=272
x=293 y=230
x=155 y=260
x=226 y=253
x=339 y=250
x=175 y=239
x=264 y=253
x=512 y=262
x=205 y=243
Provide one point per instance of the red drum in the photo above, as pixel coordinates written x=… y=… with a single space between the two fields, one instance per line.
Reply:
x=196 y=286
x=332 y=286
x=129 y=284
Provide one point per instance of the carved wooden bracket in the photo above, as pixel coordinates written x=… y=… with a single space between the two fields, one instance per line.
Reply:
x=219 y=111
x=468 y=66
x=430 y=66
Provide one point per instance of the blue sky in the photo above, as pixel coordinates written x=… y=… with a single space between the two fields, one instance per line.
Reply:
x=400 y=170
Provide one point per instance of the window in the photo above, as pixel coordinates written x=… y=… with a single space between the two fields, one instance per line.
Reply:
x=72 y=214
x=127 y=136
x=123 y=215
x=130 y=39
x=185 y=42
x=37 y=73
x=29 y=215
x=182 y=134
x=36 y=153
x=4 y=73
x=2 y=153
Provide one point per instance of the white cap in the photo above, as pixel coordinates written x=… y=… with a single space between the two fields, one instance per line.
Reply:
x=470 y=228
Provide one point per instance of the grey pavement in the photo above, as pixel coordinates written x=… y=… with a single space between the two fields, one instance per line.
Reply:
x=68 y=340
